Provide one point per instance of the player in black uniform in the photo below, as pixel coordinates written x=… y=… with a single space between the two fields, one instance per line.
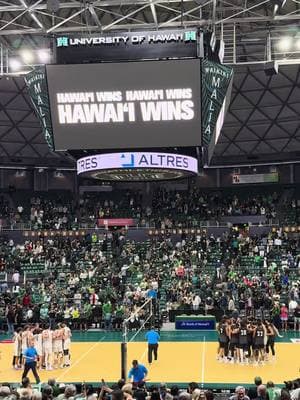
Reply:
x=234 y=341
x=272 y=332
x=243 y=347
x=258 y=342
x=250 y=327
x=223 y=340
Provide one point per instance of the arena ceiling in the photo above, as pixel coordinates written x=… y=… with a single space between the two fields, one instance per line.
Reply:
x=264 y=116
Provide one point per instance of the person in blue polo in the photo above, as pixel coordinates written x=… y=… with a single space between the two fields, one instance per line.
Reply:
x=31 y=356
x=152 y=337
x=138 y=373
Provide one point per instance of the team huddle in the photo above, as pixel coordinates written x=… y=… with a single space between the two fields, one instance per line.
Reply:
x=246 y=341
x=52 y=346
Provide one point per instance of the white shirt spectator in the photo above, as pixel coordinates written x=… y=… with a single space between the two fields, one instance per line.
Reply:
x=29 y=314
x=91 y=273
x=295 y=394
x=83 y=275
x=15 y=278
x=124 y=269
x=196 y=301
x=231 y=306
x=77 y=299
x=16 y=289
x=292 y=305
x=154 y=285
x=20 y=209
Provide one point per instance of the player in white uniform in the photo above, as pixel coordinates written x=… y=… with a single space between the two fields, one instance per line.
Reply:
x=58 y=334
x=38 y=344
x=24 y=341
x=47 y=347
x=67 y=334
x=17 y=339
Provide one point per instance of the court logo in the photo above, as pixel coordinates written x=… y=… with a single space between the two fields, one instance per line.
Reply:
x=62 y=41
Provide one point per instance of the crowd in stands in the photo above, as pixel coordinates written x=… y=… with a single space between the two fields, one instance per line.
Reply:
x=42 y=212
x=212 y=205
x=127 y=391
x=127 y=204
x=79 y=281
x=234 y=273
x=102 y=279
x=162 y=208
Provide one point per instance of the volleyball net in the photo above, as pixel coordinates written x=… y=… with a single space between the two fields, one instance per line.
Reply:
x=139 y=321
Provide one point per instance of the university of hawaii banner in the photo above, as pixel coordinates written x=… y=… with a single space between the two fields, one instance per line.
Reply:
x=38 y=91
x=216 y=90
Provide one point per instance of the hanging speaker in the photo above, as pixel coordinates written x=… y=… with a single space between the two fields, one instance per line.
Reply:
x=53 y=5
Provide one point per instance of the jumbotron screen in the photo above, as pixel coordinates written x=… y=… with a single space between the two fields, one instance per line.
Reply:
x=125 y=105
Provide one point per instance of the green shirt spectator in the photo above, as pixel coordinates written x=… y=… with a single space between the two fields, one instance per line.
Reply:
x=87 y=310
x=107 y=308
x=44 y=311
x=273 y=392
x=258 y=260
x=119 y=311
x=195 y=280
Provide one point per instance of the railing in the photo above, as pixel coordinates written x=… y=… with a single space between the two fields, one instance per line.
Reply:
x=28 y=226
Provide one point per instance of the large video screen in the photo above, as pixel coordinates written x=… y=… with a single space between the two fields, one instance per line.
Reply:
x=125 y=105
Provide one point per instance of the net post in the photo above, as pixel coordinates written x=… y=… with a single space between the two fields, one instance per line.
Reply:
x=124 y=360
x=124 y=352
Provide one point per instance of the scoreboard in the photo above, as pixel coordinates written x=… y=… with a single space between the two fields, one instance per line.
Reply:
x=125 y=105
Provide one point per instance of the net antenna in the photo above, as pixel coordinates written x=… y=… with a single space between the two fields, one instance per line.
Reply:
x=148 y=307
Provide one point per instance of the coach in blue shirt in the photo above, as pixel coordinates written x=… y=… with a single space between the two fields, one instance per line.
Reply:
x=138 y=373
x=31 y=356
x=152 y=337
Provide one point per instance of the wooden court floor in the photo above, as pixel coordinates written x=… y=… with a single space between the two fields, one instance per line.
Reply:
x=179 y=362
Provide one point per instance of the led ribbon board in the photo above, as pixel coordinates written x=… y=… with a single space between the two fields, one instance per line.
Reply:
x=137 y=166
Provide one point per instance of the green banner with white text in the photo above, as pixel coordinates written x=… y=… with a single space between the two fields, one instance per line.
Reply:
x=36 y=83
x=216 y=80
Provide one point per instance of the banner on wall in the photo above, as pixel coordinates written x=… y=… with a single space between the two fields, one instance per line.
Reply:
x=116 y=222
x=238 y=179
x=216 y=90
x=38 y=91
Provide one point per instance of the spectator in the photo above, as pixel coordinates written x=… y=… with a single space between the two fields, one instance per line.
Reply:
x=240 y=394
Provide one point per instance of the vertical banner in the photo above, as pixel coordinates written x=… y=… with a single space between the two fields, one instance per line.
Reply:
x=36 y=83
x=216 y=85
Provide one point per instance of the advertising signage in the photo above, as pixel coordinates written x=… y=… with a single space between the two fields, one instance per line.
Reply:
x=137 y=166
x=148 y=104
x=80 y=48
